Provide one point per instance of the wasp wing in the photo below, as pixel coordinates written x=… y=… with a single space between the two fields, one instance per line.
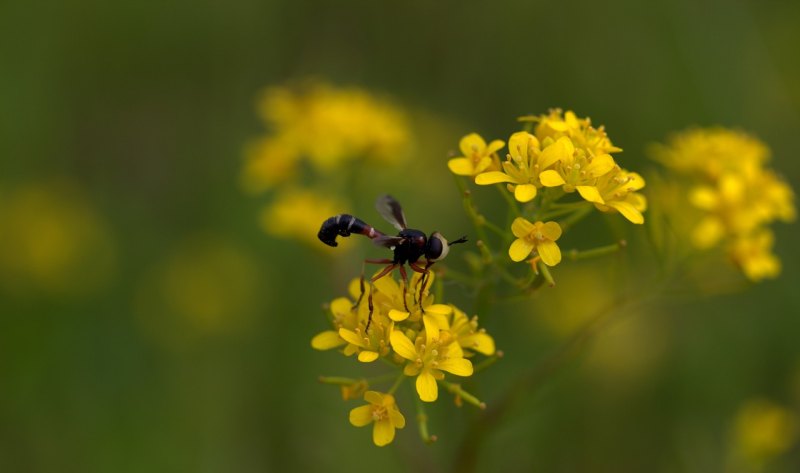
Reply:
x=390 y=209
x=388 y=241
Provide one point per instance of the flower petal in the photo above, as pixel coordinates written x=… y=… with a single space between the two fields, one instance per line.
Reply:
x=398 y=315
x=551 y=230
x=550 y=252
x=493 y=177
x=375 y=397
x=471 y=144
x=426 y=386
x=341 y=306
x=361 y=416
x=518 y=144
x=521 y=227
x=600 y=165
x=551 y=178
x=520 y=249
x=457 y=366
x=479 y=341
x=402 y=345
x=628 y=211
x=383 y=432
x=590 y=193
x=561 y=150
x=525 y=192
x=327 y=340
x=460 y=166
x=397 y=418
x=495 y=146
x=352 y=337
x=367 y=356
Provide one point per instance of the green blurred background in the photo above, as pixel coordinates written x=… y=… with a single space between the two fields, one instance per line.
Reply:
x=125 y=122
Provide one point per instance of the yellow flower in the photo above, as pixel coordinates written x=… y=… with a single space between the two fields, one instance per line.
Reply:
x=428 y=356
x=753 y=254
x=344 y=316
x=330 y=126
x=297 y=213
x=540 y=237
x=763 y=430
x=580 y=130
x=388 y=299
x=268 y=162
x=616 y=191
x=383 y=412
x=477 y=156
x=523 y=165
x=468 y=335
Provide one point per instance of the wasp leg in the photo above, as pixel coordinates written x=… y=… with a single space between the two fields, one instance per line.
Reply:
x=422 y=282
x=405 y=284
x=372 y=280
x=361 y=281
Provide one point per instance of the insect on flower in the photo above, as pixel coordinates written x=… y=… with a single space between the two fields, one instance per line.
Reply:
x=408 y=246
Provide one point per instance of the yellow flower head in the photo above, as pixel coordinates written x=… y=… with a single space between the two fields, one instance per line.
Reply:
x=476 y=157
x=525 y=161
x=330 y=126
x=753 y=255
x=381 y=411
x=297 y=213
x=556 y=124
x=540 y=237
x=268 y=162
x=616 y=191
x=763 y=430
x=430 y=354
x=468 y=335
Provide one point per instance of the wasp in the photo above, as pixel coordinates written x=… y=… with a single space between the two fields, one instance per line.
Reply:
x=409 y=246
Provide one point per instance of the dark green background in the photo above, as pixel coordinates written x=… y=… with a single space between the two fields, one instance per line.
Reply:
x=147 y=105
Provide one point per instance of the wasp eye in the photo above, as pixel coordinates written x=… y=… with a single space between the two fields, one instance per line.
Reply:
x=437 y=247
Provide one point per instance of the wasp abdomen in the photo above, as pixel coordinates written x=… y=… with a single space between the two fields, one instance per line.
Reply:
x=344 y=225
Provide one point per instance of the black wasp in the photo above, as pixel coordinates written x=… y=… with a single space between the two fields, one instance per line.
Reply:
x=408 y=246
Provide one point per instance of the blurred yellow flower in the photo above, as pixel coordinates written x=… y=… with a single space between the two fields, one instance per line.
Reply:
x=736 y=196
x=330 y=126
x=763 y=430
x=428 y=356
x=53 y=239
x=476 y=157
x=297 y=213
x=540 y=237
x=268 y=162
x=381 y=411
x=523 y=165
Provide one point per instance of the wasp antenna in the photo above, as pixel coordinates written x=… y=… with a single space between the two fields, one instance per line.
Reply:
x=463 y=239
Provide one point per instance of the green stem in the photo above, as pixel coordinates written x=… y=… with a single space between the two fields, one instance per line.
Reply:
x=338 y=380
x=456 y=390
x=487 y=362
x=397 y=383
x=576 y=216
x=422 y=422
x=512 y=204
x=478 y=221
x=575 y=255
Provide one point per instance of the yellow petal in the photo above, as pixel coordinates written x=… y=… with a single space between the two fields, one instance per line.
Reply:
x=591 y=194
x=402 y=345
x=484 y=163
x=354 y=289
x=704 y=198
x=361 y=416
x=707 y=233
x=518 y=144
x=600 y=165
x=495 y=146
x=551 y=231
x=398 y=315
x=460 y=166
x=351 y=337
x=426 y=386
x=341 y=306
x=374 y=397
x=561 y=150
x=551 y=178
x=520 y=249
x=397 y=418
x=431 y=329
x=472 y=143
x=521 y=227
x=635 y=182
x=525 y=192
x=480 y=342
x=628 y=211
x=457 y=366
x=327 y=340
x=492 y=177
x=367 y=356
x=383 y=432
x=550 y=253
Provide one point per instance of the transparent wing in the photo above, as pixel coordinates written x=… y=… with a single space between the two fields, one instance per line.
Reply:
x=390 y=209
x=387 y=241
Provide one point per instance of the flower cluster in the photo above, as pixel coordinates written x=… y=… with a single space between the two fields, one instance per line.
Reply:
x=736 y=196
x=316 y=132
x=561 y=152
x=408 y=330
